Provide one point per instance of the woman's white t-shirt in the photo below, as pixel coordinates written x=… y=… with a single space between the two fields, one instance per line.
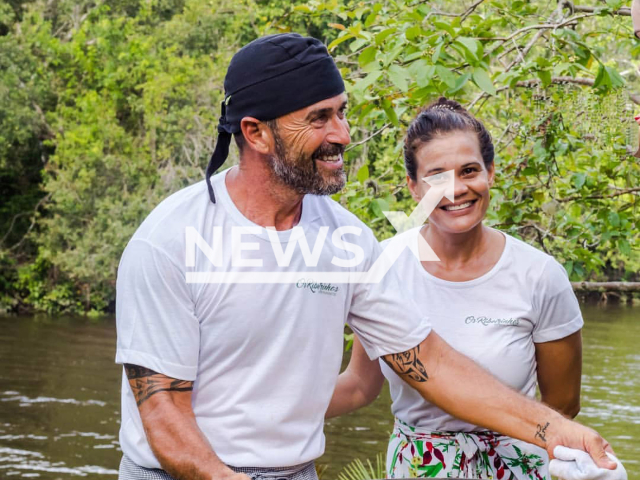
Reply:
x=495 y=319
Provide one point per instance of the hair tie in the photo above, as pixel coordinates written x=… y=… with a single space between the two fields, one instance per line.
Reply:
x=443 y=106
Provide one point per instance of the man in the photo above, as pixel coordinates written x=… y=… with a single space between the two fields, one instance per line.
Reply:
x=231 y=379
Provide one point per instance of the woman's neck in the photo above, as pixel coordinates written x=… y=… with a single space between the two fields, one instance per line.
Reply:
x=463 y=256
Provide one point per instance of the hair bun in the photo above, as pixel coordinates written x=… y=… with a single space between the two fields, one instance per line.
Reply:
x=443 y=103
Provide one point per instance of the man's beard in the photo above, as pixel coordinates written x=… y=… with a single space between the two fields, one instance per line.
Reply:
x=302 y=174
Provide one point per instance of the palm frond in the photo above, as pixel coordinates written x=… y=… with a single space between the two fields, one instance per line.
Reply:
x=357 y=470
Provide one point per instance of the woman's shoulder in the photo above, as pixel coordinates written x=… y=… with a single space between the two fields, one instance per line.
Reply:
x=533 y=260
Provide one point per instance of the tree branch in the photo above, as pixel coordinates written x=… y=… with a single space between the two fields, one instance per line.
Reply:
x=624 y=11
x=365 y=140
x=599 y=195
x=606 y=286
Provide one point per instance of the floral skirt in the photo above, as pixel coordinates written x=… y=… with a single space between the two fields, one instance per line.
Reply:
x=417 y=453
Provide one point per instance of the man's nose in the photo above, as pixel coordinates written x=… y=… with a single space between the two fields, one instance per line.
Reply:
x=339 y=131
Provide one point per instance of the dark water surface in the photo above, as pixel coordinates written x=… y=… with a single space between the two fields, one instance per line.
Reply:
x=59 y=397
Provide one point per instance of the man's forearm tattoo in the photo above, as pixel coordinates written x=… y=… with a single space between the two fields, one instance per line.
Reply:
x=145 y=383
x=542 y=432
x=407 y=364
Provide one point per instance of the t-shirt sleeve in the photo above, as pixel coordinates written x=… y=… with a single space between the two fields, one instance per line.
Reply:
x=155 y=319
x=557 y=306
x=383 y=314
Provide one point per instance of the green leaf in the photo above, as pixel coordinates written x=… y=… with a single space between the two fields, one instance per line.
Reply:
x=436 y=53
x=614 y=219
x=339 y=40
x=363 y=174
x=382 y=36
x=391 y=113
x=446 y=75
x=472 y=49
x=568 y=266
x=413 y=32
x=579 y=179
x=624 y=247
x=367 y=56
x=614 y=76
x=602 y=78
x=371 y=18
x=460 y=82
x=483 y=80
x=378 y=206
x=545 y=77
x=367 y=81
x=422 y=72
x=398 y=77
x=445 y=26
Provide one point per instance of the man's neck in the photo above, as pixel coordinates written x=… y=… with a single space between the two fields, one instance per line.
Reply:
x=261 y=199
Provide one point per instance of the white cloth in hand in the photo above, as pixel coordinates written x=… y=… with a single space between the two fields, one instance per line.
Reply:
x=572 y=464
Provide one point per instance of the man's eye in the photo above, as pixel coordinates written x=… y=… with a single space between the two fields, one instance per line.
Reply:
x=468 y=171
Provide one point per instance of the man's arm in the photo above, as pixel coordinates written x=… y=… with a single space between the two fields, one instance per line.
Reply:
x=560 y=372
x=358 y=385
x=170 y=425
x=459 y=386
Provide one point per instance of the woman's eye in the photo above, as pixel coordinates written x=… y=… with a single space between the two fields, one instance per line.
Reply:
x=468 y=171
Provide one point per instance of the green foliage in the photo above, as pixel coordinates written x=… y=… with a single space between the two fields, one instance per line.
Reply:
x=357 y=470
x=107 y=107
x=565 y=178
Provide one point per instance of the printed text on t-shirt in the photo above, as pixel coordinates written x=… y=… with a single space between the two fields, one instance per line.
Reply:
x=492 y=321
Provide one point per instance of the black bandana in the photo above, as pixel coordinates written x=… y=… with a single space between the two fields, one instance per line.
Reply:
x=268 y=78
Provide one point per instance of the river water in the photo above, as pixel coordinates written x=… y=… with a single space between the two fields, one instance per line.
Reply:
x=59 y=397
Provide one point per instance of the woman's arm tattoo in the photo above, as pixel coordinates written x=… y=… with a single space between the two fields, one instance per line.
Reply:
x=407 y=364
x=145 y=383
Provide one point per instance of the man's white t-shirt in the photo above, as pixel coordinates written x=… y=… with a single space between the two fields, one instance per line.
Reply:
x=265 y=357
x=496 y=319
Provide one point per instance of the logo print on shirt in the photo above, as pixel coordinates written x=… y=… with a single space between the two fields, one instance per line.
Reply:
x=317 y=287
x=492 y=321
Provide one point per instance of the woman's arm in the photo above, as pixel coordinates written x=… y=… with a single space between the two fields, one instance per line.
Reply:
x=358 y=385
x=559 y=373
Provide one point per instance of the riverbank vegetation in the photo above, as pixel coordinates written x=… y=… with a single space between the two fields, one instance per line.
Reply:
x=107 y=107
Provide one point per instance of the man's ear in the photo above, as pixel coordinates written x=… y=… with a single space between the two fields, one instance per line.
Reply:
x=258 y=136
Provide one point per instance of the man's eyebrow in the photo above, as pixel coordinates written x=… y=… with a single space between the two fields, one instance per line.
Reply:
x=434 y=170
x=323 y=111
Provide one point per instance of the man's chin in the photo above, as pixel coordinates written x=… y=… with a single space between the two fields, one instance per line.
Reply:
x=331 y=184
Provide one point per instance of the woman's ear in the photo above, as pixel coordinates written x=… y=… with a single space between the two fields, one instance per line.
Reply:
x=257 y=135
x=414 y=189
x=491 y=170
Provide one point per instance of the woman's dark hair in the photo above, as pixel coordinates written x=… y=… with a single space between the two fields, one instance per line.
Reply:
x=443 y=116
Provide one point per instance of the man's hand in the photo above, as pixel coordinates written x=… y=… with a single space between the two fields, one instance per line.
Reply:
x=459 y=386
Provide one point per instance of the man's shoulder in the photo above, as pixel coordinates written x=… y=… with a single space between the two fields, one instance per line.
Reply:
x=167 y=221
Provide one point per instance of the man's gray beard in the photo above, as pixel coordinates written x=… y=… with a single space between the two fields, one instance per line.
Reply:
x=302 y=176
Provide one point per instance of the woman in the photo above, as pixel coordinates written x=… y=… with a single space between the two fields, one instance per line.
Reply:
x=496 y=299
